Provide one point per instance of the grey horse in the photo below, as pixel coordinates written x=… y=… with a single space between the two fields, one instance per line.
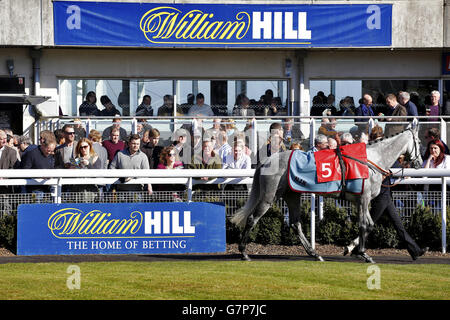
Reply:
x=270 y=182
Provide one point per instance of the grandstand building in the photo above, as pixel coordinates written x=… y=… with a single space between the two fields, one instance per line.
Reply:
x=54 y=52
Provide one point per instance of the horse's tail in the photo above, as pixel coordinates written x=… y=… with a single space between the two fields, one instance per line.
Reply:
x=240 y=217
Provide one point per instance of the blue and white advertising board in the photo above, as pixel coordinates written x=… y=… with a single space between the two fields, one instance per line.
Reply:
x=120 y=228
x=221 y=25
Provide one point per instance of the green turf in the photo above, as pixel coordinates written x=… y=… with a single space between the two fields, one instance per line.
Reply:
x=223 y=280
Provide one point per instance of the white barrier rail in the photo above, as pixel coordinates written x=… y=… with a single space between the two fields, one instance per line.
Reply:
x=60 y=177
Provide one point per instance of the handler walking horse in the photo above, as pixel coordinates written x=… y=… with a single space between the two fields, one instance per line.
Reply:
x=269 y=185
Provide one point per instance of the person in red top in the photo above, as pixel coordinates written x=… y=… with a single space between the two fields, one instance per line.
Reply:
x=114 y=144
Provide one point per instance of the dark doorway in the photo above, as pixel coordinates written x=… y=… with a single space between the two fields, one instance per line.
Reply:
x=11 y=117
x=219 y=97
x=11 y=114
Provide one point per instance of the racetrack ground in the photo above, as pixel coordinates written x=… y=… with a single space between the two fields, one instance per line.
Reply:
x=223 y=277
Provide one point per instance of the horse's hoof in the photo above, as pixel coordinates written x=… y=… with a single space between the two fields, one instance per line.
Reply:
x=245 y=258
x=346 y=251
x=319 y=258
x=363 y=256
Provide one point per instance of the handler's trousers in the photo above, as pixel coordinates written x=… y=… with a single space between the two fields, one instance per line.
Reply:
x=384 y=204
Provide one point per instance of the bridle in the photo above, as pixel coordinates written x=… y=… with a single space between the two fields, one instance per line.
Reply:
x=415 y=161
x=412 y=161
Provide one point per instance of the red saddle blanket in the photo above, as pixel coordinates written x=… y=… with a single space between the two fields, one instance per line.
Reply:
x=328 y=168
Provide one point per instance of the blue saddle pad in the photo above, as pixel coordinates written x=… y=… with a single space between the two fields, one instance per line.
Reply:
x=302 y=176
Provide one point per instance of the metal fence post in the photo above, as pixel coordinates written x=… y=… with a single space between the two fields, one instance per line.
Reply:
x=444 y=214
x=320 y=208
x=134 y=126
x=254 y=135
x=443 y=130
x=312 y=130
x=57 y=192
x=189 y=189
x=313 y=220
x=88 y=127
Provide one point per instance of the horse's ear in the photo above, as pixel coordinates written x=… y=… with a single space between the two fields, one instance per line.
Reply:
x=414 y=125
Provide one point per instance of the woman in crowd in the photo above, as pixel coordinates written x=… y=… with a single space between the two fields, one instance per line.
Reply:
x=437 y=159
x=86 y=158
x=208 y=159
x=168 y=159
x=89 y=106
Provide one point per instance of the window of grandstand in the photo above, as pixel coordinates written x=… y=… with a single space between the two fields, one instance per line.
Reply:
x=338 y=95
x=130 y=97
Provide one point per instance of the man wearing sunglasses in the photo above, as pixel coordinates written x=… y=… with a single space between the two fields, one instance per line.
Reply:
x=66 y=151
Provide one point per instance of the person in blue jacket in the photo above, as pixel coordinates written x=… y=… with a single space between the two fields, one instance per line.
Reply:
x=365 y=109
x=404 y=99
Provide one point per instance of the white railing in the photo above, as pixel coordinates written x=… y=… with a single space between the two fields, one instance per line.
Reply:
x=189 y=177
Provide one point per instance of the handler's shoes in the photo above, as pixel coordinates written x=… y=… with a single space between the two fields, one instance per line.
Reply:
x=420 y=253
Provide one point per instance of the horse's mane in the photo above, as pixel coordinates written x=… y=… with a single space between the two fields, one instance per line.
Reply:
x=385 y=138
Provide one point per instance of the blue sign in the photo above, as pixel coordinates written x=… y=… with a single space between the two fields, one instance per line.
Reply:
x=446 y=63
x=120 y=228
x=221 y=25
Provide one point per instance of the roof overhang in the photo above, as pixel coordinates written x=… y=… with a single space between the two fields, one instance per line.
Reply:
x=20 y=98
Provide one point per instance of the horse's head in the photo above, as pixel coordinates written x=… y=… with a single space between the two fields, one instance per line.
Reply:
x=413 y=149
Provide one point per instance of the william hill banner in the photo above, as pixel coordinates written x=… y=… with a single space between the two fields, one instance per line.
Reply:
x=221 y=25
x=121 y=228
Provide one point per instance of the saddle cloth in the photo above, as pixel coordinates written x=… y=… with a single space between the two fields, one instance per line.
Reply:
x=328 y=168
x=302 y=176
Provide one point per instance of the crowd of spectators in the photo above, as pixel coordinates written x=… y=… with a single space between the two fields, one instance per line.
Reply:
x=222 y=146
x=195 y=106
x=323 y=105
x=193 y=146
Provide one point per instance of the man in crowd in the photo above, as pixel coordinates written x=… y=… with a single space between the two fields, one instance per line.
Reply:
x=25 y=146
x=65 y=152
x=200 y=108
x=274 y=144
x=291 y=132
x=166 y=110
x=8 y=156
x=145 y=109
x=365 y=109
x=114 y=144
x=395 y=109
x=320 y=143
x=40 y=158
x=151 y=148
x=131 y=158
x=404 y=99
x=116 y=122
x=110 y=109
x=434 y=107
x=182 y=145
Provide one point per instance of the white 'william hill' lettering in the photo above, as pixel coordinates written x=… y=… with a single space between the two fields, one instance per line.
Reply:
x=275 y=19
x=168 y=223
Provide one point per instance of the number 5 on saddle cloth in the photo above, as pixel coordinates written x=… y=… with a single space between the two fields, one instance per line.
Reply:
x=320 y=172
